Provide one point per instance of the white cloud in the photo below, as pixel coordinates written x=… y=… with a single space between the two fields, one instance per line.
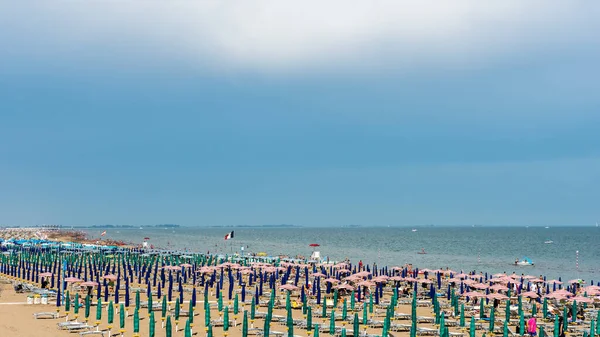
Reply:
x=283 y=36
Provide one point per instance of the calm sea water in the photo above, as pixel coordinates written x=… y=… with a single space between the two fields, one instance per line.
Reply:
x=487 y=249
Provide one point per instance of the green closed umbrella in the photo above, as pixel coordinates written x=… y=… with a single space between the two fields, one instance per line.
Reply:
x=163 y=309
x=188 y=329
x=136 y=321
x=220 y=303
x=253 y=309
x=355 y=326
x=245 y=325
x=290 y=324
x=99 y=310
x=150 y=304
x=88 y=305
x=235 y=305
x=542 y=331
x=491 y=329
x=507 y=311
x=324 y=307
x=267 y=328
x=371 y=303
x=481 y=309
x=365 y=317
x=308 y=318
x=534 y=310
x=122 y=316
x=191 y=311
x=472 y=327
x=316 y=330
x=598 y=323
x=462 y=315
x=345 y=311
x=151 y=325
x=521 y=324
x=226 y=319
x=592 y=329
x=67 y=302
x=332 y=323
x=168 y=327
x=505 y=329
x=574 y=309
x=344 y=332
x=353 y=300
x=137 y=299
x=335 y=298
x=76 y=304
x=442 y=324
x=565 y=319
x=177 y=309
x=556 y=333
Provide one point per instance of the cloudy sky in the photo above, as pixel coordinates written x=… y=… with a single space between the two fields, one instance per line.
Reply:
x=265 y=112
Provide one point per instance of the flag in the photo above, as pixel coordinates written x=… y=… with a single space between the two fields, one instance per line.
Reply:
x=103 y=233
x=229 y=235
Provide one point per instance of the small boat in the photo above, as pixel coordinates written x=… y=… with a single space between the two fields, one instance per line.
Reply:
x=414 y=230
x=524 y=262
x=422 y=251
x=548 y=242
x=546 y=227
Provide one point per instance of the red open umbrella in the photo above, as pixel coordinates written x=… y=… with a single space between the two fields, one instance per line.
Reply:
x=314 y=245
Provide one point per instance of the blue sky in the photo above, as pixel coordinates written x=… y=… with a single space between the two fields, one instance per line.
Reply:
x=387 y=113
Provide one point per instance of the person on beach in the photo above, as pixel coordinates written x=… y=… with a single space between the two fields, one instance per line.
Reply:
x=532 y=326
x=360 y=265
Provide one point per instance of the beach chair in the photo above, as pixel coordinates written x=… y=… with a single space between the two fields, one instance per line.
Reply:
x=39 y=315
x=92 y=332
x=427 y=332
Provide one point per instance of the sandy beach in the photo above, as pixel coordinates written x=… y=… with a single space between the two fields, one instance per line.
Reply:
x=400 y=301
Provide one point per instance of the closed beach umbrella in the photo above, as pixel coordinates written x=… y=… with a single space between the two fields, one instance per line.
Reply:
x=235 y=305
x=344 y=311
x=505 y=329
x=137 y=299
x=462 y=315
x=309 y=319
x=163 y=309
x=355 y=326
x=481 y=309
x=151 y=325
x=472 y=327
x=492 y=319
x=122 y=316
x=168 y=327
x=253 y=309
x=67 y=301
x=76 y=304
x=191 y=311
x=99 y=310
x=87 y=306
x=188 y=329
x=226 y=319
x=111 y=313
x=555 y=333
x=521 y=323
x=332 y=323
x=136 y=321
x=177 y=309
x=245 y=325
x=545 y=308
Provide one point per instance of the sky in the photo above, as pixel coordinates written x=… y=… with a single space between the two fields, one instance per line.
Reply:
x=308 y=113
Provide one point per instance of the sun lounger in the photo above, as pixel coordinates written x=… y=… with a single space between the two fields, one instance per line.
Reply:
x=427 y=332
x=92 y=332
x=401 y=315
x=38 y=315
x=400 y=327
x=425 y=319
x=455 y=334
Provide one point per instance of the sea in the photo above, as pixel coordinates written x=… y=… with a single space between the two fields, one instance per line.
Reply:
x=573 y=254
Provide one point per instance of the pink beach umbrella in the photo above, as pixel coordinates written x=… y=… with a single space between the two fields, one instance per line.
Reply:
x=530 y=294
x=110 y=277
x=72 y=280
x=46 y=274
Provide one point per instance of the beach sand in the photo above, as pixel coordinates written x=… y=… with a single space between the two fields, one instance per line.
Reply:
x=17 y=319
